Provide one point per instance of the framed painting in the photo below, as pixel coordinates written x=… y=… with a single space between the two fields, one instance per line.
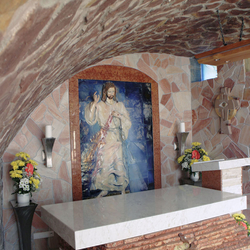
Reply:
x=114 y=130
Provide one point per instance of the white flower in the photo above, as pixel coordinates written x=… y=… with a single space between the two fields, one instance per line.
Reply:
x=26 y=188
x=184 y=165
x=26 y=180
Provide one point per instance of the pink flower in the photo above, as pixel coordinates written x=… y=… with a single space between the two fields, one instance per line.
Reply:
x=196 y=155
x=29 y=169
x=243 y=224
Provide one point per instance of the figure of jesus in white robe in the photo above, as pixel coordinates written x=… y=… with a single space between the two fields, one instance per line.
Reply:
x=110 y=172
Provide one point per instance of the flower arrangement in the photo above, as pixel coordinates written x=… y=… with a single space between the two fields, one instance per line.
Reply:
x=241 y=220
x=191 y=155
x=24 y=174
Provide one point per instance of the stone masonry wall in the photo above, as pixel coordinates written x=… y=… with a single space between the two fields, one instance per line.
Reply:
x=1 y=204
x=43 y=43
x=172 y=75
x=205 y=121
x=56 y=181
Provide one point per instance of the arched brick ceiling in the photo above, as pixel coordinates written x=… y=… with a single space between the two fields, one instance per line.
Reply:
x=45 y=42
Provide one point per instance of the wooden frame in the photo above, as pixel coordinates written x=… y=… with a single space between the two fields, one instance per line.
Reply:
x=229 y=53
x=112 y=73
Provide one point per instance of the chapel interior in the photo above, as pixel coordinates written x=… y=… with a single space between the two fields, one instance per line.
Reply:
x=44 y=43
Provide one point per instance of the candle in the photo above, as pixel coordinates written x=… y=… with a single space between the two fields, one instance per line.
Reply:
x=48 y=131
x=182 y=127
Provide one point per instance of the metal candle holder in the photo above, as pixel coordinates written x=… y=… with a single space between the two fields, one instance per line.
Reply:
x=48 y=144
x=182 y=137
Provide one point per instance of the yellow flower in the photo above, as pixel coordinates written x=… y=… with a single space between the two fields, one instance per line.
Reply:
x=242 y=216
x=23 y=155
x=189 y=150
x=14 y=163
x=238 y=216
x=35 y=173
x=235 y=215
x=192 y=161
x=203 y=151
x=20 y=163
x=180 y=158
x=14 y=174
x=35 y=182
x=196 y=144
x=205 y=158
x=15 y=167
x=34 y=163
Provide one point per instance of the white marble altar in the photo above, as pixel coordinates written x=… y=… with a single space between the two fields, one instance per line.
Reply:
x=231 y=172
x=220 y=164
x=103 y=220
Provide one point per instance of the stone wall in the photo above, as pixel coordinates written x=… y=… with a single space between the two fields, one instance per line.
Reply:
x=172 y=75
x=1 y=205
x=43 y=43
x=205 y=121
x=56 y=181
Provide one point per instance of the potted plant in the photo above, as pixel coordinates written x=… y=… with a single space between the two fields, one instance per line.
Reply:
x=25 y=176
x=191 y=155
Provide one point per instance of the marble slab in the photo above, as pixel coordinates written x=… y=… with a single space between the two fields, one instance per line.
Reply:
x=98 y=221
x=220 y=164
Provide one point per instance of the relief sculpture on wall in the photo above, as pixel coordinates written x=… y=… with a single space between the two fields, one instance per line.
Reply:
x=226 y=108
x=116 y=137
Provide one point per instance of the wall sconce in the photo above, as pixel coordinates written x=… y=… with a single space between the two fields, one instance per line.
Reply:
x=48 y=143
x=182 y=137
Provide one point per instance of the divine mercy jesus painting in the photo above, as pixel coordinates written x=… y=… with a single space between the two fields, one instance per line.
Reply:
x=115 y=137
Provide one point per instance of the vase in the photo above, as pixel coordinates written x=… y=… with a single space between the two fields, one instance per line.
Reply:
x=23 y=199
x=195 y=176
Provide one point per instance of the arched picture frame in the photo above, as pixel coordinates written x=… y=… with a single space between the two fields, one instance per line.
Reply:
x=132 y=85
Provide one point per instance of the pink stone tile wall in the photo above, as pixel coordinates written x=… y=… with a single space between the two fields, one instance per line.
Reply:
x=206 y=123
x=56 y=181
x=246 y=170
x=172 y=74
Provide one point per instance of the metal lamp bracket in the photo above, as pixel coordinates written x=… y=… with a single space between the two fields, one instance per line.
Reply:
x=48 y=144
x=182 y=137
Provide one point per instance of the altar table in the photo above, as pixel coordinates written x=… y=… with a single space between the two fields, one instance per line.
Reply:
x=98 y=221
